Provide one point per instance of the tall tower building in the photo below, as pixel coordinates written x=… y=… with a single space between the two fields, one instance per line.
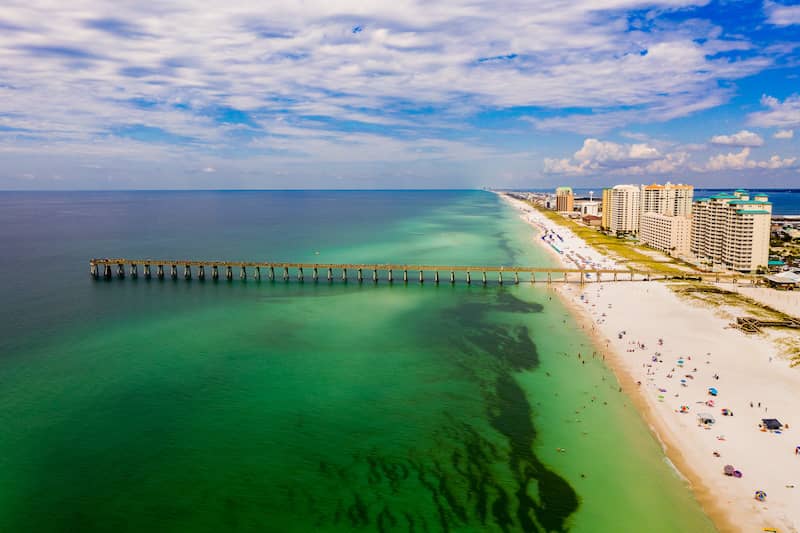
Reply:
x=668 y=199
x=625 y=208
x=665 y=222
x=605 y=210
x=565 y=200
x=732 y=229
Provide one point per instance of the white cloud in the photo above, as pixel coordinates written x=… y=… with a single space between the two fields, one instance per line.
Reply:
x=88 y=63
x=209 y=170
x=784 y=134
x=741 y=160
x=312 y=91
x=779 y=114
x=736 y=161
x=781 y=15
x=742 y=138
x=600 y=156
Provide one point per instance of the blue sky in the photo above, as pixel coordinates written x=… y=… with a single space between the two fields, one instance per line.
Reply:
x=400 y=93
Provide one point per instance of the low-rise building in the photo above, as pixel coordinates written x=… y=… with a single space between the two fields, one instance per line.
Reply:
x=588 y=207
x=592 y=220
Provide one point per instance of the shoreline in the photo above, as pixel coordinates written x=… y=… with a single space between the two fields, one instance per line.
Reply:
x=726 y=505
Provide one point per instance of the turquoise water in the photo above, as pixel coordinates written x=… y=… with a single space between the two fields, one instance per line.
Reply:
x=244 y=406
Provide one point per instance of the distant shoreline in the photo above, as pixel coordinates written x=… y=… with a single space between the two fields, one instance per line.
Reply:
x=692 y=330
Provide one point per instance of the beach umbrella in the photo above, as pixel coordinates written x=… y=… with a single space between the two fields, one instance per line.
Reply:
x=761 y=495
x=712 y=391
x=728 y=470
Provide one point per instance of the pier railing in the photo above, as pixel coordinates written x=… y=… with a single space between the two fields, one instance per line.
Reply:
x=109 y=268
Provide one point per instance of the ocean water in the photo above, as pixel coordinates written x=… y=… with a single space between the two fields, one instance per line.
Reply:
x=256 y=406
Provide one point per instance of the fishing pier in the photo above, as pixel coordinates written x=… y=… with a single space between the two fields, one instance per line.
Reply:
x=229 y=270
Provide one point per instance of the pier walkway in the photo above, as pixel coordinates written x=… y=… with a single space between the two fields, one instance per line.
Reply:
x=173 y=269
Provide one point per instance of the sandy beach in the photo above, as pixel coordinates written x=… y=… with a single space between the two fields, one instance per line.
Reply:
x=668 y=352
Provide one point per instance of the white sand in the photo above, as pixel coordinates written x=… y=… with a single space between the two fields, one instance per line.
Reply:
x=786 y=301
x=749 y=369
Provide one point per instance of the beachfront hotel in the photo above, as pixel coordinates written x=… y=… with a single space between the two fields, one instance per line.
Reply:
x=605 y=210
x=732 y=230
x=565 y=200
x=669 y=199
x=666 y=221
x=625 y=212
x=667 y=233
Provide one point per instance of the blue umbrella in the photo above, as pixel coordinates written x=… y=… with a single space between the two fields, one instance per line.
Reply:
x=712 y=391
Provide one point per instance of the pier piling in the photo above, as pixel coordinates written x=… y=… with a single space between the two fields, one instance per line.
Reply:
x=120 y=268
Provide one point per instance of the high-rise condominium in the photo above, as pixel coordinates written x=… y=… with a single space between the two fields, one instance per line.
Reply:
x=625 y=208
x=665 y=222
x=565 y=200
x=732 y=230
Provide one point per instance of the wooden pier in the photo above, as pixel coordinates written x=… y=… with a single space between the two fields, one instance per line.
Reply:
x=754 y=325
x=272 y=271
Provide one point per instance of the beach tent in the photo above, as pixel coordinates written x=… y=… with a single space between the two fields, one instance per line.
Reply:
x=728 y=470
x=771 y=424
x=706 y=418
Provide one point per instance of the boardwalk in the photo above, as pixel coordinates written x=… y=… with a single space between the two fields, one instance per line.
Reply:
x=188 y=269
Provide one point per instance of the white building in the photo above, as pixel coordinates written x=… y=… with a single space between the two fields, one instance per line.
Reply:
x=670 y=234
x=668 y=199
x=665 y=222
x=588 y=207
x=625 y=208
x=732 y=230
